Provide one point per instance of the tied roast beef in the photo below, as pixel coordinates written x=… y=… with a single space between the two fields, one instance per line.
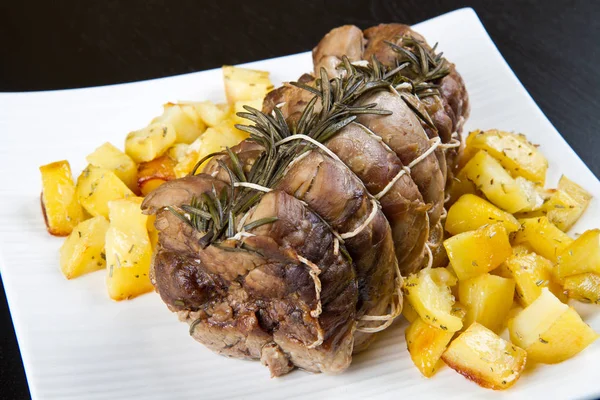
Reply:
x=290 y=247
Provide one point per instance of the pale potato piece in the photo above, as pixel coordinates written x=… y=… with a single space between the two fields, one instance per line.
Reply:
x=408 y=311
x=426 y=344
x=580 y=256
x=239 y=107
x=583 y=287
x=83 y=251
x=460 y=186
x=60 y=206
x=185 y=119
x=561 y=208
x=471 y=212
x=514 y=152
x=532 y=273
x=150 y=142
x=550 y=331
x=178 y=151
x=215 y=139
x=432 y=301
x=245 y=84
x=212 y=114
x=488 y=299
x=578 y=193
x=483 y=357
x=477 y=252
x=443 y=276
x=128 y=250
x=499 y=187
x=96 y=187
x=108 y=156
x=543 y=236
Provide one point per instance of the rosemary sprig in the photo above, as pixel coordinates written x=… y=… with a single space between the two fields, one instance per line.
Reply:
x=425 y=65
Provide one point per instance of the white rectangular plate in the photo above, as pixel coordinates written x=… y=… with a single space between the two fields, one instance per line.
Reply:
x=76 y=343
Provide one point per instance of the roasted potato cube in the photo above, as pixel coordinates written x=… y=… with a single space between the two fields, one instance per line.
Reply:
x=152 y=231
x=460 y=186
x=108 y=156
x=498 y=186
x=580 y=256
x=468 y=151
x=514 y=152
x=128 y=250
x=213 y=140
x=245 y=84
x=432 y=301
x=62 y=212
x=154 y=173
x=543 y=237
x=578 y=193
x=426 y=344
x=83 y=251
x=583 y=287
x=562 y=209
x=408 y=311
x=531 y=273
x=150 y=142
x=443 y=276
x=483 y=357
x=550 y=331
x=178 y=151
x=212 y=114
x=239 y=107
x=471 y=212
x=488 y=299
x=96 y=187
x=185 y=119
x=477 y=252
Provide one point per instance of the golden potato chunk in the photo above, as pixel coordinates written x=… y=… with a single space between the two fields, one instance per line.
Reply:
x=215 y=139
x=550 y=331
x=245 y=84
x=483 y=357
x=154 y=173
x=583 y=287
x=408 y=311
x=514 y=152
x=128 y=250
x=563 y=206
x=212 y=114
x=431 y=300
x=578 y=193
x=61 y=209
x=239 y=107
x=185 y=119
x=471 y=212
x=460 y=186
x=150 y=142
x=83 y=251
x=543 y=236
x=96 y=187
x=477 y=252
x=580 y=256
x=109 y=157
x=426 y=344
x=499 y=187
x=532 y=273
x=488 y=299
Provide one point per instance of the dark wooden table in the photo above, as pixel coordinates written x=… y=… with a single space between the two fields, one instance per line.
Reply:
x=551 y=45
